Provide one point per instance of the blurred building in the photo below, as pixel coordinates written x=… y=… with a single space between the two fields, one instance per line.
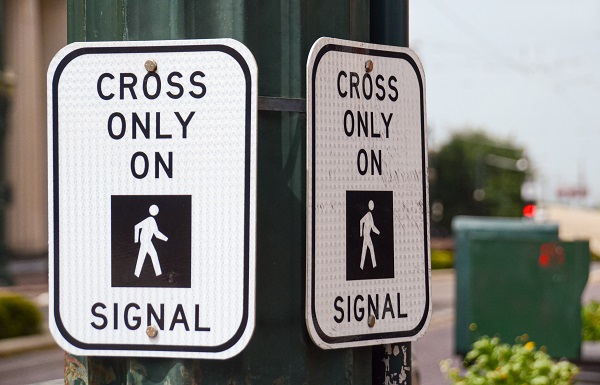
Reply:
x=34 y=30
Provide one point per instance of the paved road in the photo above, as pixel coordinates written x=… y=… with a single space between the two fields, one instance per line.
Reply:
x=33 y=367
x=437 y=344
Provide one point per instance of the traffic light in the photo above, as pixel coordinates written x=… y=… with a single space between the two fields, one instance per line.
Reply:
x=529 y=210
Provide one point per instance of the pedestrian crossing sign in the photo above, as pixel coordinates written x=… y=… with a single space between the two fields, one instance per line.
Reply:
x=152 y=198
x=367 y=228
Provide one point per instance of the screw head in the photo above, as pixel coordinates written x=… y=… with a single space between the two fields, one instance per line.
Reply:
x=150 y=65
x=369 y=65
x=151 y=331
x=371 y=321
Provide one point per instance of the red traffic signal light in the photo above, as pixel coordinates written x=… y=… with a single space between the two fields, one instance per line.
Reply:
x=529 y=211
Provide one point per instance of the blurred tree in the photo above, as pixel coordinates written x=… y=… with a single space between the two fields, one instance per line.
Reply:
x=475 y=174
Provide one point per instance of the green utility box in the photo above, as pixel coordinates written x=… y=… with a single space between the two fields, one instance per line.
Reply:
x=514 y=277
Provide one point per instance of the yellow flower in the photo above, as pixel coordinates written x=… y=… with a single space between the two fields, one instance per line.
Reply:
x=530 y=346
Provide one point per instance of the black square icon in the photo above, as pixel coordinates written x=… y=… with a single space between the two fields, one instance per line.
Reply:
x=369 y=235
x=151 y=240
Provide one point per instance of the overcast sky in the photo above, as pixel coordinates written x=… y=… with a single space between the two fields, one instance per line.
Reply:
x=527 y=70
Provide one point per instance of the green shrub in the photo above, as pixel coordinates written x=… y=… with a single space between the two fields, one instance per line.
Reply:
x=442 y=259
x=491 y=362
x=18 y=316
x=590 y=321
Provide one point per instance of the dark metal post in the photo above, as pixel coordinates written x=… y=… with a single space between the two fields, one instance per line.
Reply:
x=389 y=22
x=5 y=89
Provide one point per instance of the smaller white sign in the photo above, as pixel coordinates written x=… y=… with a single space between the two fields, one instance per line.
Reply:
x=368 y=269
x=152 y=195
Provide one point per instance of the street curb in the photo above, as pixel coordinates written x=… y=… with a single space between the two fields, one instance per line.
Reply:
x=12 y=346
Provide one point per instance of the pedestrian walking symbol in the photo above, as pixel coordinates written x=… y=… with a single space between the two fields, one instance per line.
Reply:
x=369 y=235
x=159 y=252
x=144 y=232
x=366 y=227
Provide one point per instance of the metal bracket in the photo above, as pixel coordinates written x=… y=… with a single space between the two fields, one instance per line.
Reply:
x=267 y=103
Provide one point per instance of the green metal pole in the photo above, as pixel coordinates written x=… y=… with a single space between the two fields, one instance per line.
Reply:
x=389 y=22
x=280 y=35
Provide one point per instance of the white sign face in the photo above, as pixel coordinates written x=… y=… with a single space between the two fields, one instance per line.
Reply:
x=368 y=269
x=152 y=193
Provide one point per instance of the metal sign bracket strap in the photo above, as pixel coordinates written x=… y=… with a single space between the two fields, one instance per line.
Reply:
x=268 y=103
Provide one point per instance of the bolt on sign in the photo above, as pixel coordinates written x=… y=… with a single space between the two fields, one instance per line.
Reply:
x=368 y=264
x=152 y=195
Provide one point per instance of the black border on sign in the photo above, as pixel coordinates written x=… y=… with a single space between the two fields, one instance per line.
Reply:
x=247 y=176
x=374 y=336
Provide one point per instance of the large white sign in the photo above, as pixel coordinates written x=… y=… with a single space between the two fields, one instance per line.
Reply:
x=368 y=270
x=152 y=193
